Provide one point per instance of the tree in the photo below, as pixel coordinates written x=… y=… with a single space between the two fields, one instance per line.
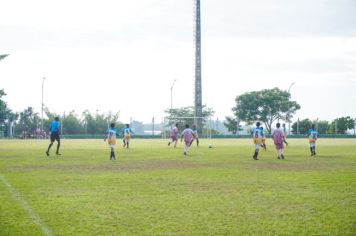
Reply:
x=323 y=126
x=175 y=114
x=98 y=123
x=304 y=126
x=266 y=106
x=3 y=56
x=28 y=121
x=232 y=125
x=342 y=124
x=71 y=124
x=4 y=110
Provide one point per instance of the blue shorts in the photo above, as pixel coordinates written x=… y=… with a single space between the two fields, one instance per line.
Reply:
x=55 y=136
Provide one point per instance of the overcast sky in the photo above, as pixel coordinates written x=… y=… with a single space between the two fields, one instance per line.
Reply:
x=124 y=55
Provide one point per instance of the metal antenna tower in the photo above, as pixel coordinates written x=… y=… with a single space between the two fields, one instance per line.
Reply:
x=198 y=86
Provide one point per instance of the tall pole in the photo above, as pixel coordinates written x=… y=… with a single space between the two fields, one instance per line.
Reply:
x=42 y=104
x=172 y=93
x=290 y=86
x=198 y=84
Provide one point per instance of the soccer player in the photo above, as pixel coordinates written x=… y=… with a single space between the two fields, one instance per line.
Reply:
x=263 y=139
x=257 y=139
x=127 y=131
x=278 y=139
x=195 y=136
x=285 y=133
x=174 y=135
x=54 y=130
x=187 y=135
x=111 y=134
x=313 y=136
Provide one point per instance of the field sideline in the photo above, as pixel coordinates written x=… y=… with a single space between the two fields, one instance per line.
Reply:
x=155 y=190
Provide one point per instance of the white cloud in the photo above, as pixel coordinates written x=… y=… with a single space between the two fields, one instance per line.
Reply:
x=124 y=55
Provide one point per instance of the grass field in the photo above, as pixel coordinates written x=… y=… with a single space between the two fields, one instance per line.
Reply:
x=155 y=190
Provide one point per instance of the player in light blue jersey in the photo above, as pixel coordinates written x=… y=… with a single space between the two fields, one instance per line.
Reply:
x=313 y=136
x=54 y=130
x=257 y=139
x=127 y=131
x=111 y=134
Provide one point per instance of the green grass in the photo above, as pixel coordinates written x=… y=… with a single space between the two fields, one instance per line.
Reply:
x=155 y=190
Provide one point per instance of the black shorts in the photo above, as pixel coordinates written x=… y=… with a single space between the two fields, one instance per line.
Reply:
x=55 y=136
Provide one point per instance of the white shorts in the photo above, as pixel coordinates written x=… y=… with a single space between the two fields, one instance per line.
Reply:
x=311 y=144
x=257 y=146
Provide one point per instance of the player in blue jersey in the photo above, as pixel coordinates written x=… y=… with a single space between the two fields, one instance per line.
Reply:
x=257 y=139
x=313 y=136
x=54 y=129
x=127 y=131
x=111 y=134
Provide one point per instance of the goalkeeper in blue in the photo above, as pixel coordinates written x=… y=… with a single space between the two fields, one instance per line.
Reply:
x=111 y=134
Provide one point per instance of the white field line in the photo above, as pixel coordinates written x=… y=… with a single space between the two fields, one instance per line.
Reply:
x=34 y=216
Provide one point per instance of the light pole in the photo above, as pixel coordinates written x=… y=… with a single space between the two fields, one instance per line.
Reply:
x=42 y=104
x=172 y=93
x=290 y=86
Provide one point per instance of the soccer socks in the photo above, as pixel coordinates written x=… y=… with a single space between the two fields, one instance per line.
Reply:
x=186 y=149
x=255 y=155
x=314 y=151
x=112 y=155
x=197 y=142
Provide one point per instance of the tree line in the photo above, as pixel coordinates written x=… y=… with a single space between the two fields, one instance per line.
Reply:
x=267 y=106
x=28 y=121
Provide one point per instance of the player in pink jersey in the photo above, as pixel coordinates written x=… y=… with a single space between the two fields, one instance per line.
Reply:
x=174 y=135
x=187 y=135
x=279 y=139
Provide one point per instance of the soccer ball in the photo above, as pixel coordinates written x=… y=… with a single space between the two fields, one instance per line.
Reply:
x=210 y=146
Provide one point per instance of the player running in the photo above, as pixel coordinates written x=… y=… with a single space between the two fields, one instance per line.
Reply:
x=263 y=139
x=174 y=135
x=195 y=136
x=54 y=130
x=127 y=131
x=257 y=139
x=278 y=139
x=111 y=134
x=313 y=136
x=285 y=133
x=187 y=135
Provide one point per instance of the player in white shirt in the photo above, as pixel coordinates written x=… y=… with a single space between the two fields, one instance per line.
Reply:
x=187 y=135
x=195 y=136
x=174 y=135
